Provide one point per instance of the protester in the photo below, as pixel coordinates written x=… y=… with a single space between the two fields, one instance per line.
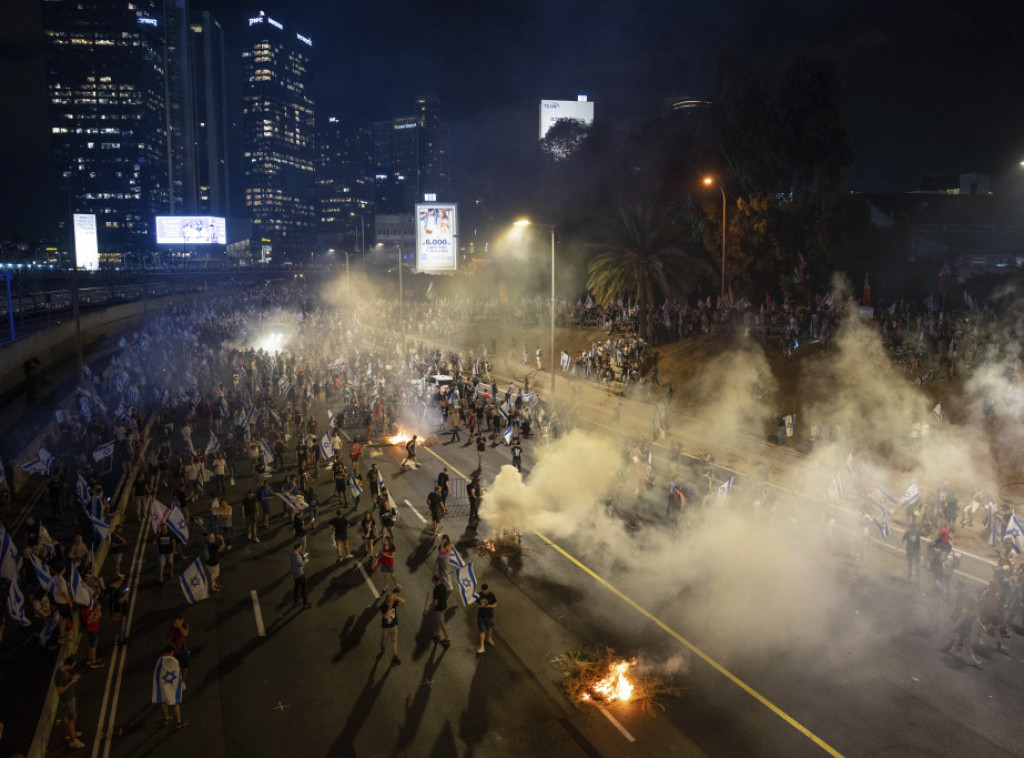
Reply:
x=486 y=603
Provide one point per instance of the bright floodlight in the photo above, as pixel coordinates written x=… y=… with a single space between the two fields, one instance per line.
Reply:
x=708 y=180
x=522 y=222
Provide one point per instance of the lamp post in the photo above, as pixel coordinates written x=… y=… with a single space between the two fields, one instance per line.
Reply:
x=708 y=180
x=551 y=229
x=401 y=291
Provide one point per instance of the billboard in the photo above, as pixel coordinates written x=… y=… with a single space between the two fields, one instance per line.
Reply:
x=87 y=252
x=436 y=235
x=191 y=230
x=553 y=110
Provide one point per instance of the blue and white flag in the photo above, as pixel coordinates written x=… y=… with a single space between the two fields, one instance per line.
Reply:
x=507 y=435
x=790 y=421
x=252 y=416
x=937 y=411
x=16 y=605
x=326 y=447
x=503 y=412
x=51 y=626
x=330 y=418
x=380 y=478
x=268 y=454
x=290 y=501
x=190 y=447
x=455 y=559
x=911 y=495
x=99 y=527
x=353 y=486
x=240 y=417
x=724 y=490
x=41 y=465
x=80 y=593
x=883 y=527
x=157 y=514
x=122 y=343
x=213 y=445
x=466 y=580
x=103 y=451
x=10 y=558
x=42 y=573
x=193 y=582
x=167 y=681
x=566 y=361
x=1015 y=533
x=879 y=497
x=275 y=418
x=177 y=523
x=529 y=397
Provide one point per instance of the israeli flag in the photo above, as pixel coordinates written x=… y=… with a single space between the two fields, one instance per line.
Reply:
x=167 y=681
x=290 y=501
x=1015 y=532
x=503 y=412
x=883 y=527
x=268 y=454
x=42 y=573
x=380 y=478
x=790 y=424
x=103 y=451
x=193 y=583
x=99 y=527
x=157 y=514
x=912 y=494
x=330 y=418
x=326 y=447
x=121 y=343
x=253 y=415
x=213 y=445
x=80 y=593
x=240 y=418
x=177 y=523
x=937 y=411
x=82 y=490
x=507 y=435
x=724 y=490
x=51 y=626
x=353 y=486
x=455 y=559
x=466 y=580
x=16 y=605
x=41 y=465
x=10 y=558
x=529 y=397
x=566 y=361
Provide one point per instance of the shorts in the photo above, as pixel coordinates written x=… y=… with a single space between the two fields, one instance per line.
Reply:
x=484 y=624
x=214 y=573
x=68 y=709
x=166 y=559
x=388 y=635
x=387 y=569
x=438 y=619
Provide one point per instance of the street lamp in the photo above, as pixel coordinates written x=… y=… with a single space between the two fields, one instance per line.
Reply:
x=401 y=292
x=708 y=181
x=551 y=229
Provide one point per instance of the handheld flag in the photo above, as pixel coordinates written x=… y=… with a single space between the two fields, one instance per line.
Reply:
x=455 y=559
x=1015 y=533
x=79 y=591
x=42 y=573
x=566 y=361
x=330 y=419
x=883 y=527
x=213 y=445
x=326 y=447
x=268 y=454
x=724 y=490
x=10 y=558
x=157 y=514
x=99 y=527
x=466 y=580
x=103 y=451
x=911 y=495
x=290 y=501
x=177 y=523
x=353 y=486
x=993 y=518
x=937 y=411
x=193 y=583
x=507 y=435
x=16 y=605
x=167 y=681
x=41 y=465
x=790 y=424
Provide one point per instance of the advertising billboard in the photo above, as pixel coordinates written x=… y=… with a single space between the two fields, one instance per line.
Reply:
x=436 y=235
x=553 y=110
x=191 y=230
x=87 y=252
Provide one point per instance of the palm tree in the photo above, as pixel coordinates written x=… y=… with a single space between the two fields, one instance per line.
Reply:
x=642 y=259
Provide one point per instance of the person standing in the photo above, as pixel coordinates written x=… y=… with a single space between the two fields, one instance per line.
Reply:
x=456 y=423
x=90 y=616
x=368 y=533
x=211 y=554
x=299 y=559
x=263 y=495
x=481 y=447
x=474 y=493
x=439 y=604
x=177 y=637
x=443 y=480
x=64 y=681
x=387 y=563
x=164 y=550
x=340 y=475
x=487 y=602
x=517 y=455
x=220 y=472
x=436 y=506
x=355 y=453
x=912 y=539
x=444 y=553
x=167 y=686
x=118 y=543
x=300 y=527
x=339 y=527
x=250 y=509
x=117 y=596
x=389 y=626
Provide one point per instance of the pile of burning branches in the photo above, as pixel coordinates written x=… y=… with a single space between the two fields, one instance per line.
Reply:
x=508 y=544
x=599 y=677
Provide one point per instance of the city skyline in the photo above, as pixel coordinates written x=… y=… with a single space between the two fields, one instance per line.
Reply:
x=926 y=86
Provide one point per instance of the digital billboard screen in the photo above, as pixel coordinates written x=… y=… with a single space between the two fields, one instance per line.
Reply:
x=191 y=230
x=436 y=234
x=554 y=110
x=87 y=253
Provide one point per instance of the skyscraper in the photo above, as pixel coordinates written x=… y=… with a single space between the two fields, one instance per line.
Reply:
x=210 y=116
x=106 y=76
x=411 y=156
x=344 y=184
x=279 y=139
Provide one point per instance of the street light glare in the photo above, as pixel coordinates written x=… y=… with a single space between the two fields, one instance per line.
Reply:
x=522 y=222
x=708 y=180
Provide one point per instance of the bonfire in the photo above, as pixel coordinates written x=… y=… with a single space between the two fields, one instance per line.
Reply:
x=601 y=678
x=507 y=544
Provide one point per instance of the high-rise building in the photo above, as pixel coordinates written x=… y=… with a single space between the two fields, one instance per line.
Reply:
x=179 y=102
x=279 y=139
x=344 y=184
x=106 y=79
x=210 y=117
x=412 y=158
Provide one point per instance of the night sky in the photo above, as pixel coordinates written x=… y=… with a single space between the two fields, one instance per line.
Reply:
x=931 y=86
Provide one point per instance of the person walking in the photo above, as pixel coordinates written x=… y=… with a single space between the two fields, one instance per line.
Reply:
x=410 y=453
x=439 y=604
x=387 y=563
x=368 y=533
x=517 y=455
x=487 y=602
x=177 y=638
x=443 y=480
x=167 y=686
x=299 y=559
x=211 y=554
x=164 y=550
x=436 y=506
x=444 y=553
x=474 y=493
x=912 y=539
x=339 y=528
x=481 y=447
x=389 y=626
x=250 y=509
x=64 y=681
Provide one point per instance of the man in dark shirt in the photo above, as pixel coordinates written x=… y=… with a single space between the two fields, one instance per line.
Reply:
x=211 y=553
x=487 y=602
x=517 y=455
x=436 y=506
x=439 y=603
x=340 y=527
x=250 y=509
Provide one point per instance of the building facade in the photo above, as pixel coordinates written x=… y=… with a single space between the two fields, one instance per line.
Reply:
x=210 y=117
x=344 y=185
x=278 y=117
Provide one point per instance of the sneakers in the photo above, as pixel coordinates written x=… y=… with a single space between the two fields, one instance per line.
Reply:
x=481 y=649
x=490 y=641
x=446 y=643
x=396 y=661
x=349 y=555
x=307 y=605
x=180 y=724
x=76 y=744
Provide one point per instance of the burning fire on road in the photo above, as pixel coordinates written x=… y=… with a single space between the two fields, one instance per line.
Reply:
x=602 y=678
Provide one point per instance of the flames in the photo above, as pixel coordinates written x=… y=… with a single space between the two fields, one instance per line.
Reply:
x=400 y=438
x=614 y=686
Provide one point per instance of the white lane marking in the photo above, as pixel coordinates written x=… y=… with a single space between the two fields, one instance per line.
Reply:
x=369 y=583
x=261 y=631
x=421 y=518
x=616 y=724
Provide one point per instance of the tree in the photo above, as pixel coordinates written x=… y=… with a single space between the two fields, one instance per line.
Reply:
x=642 y=257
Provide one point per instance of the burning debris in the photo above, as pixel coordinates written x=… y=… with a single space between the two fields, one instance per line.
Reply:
x=508 y=544
x=601 y=678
